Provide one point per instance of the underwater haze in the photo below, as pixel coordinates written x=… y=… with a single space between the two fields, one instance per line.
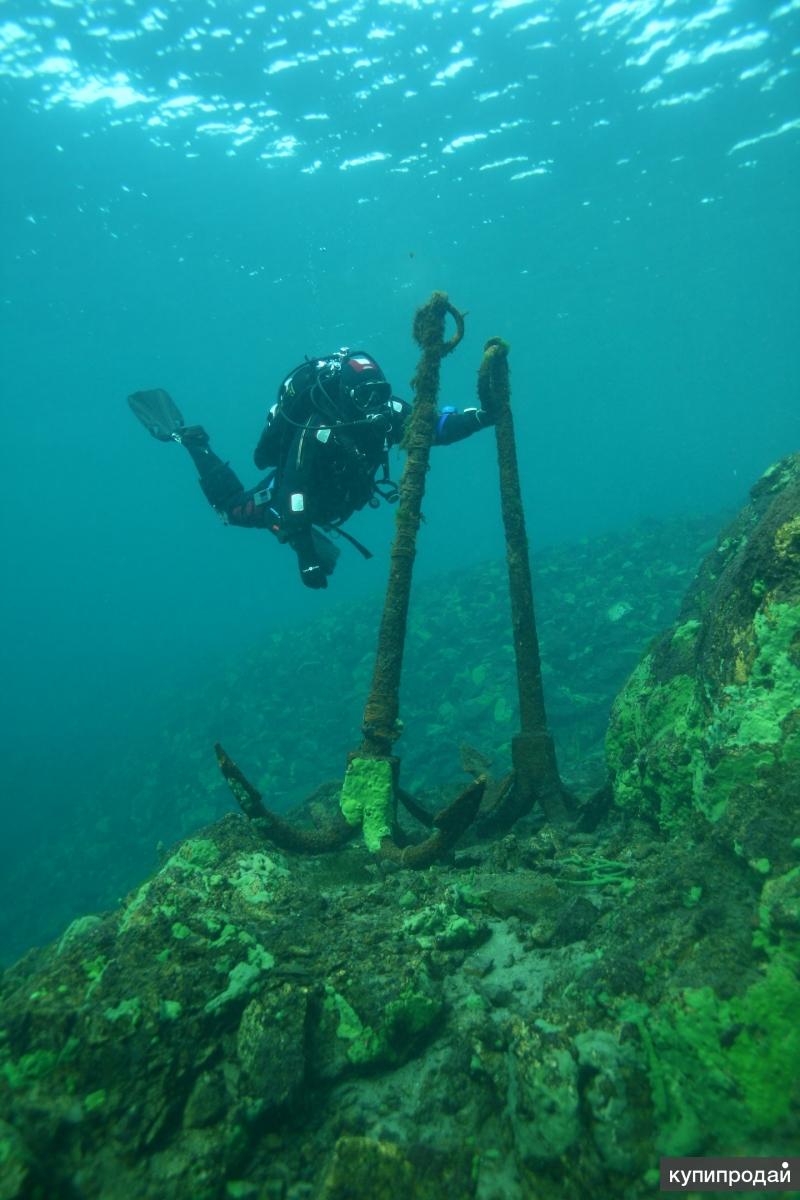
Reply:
x=197 y=195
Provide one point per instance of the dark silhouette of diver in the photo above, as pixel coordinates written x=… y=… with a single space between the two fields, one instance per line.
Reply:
x=327 y=439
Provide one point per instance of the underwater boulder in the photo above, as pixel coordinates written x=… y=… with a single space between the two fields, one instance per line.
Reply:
x=159 y=1050
x=707 y=728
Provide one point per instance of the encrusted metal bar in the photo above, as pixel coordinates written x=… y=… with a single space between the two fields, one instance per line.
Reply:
x=276 y=830
x=380 y=726
x=533 y=753
x=450 y=824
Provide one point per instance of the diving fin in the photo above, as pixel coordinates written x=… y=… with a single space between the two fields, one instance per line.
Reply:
x=158 y=412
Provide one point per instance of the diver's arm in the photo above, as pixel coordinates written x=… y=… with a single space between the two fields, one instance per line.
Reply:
x=451 y=425
x=454 y=426
x=267 y=452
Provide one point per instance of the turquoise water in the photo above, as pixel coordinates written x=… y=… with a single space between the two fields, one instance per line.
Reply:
x=197 y=195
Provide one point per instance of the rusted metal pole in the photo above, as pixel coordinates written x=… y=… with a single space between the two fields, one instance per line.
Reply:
x=532 y=749
x=371 y=785
x=381 y=727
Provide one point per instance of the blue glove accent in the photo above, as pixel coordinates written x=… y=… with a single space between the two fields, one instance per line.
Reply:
x=444 y=415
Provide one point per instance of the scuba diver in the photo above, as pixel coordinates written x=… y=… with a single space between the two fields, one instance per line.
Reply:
x=327 y=440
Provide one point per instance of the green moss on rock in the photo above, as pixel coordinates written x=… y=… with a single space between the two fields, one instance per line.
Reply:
x=404 y=1020
x=656 y=728
x=708 y=723
x=257 y=877
x=28 y=1068
x=724 y=1074
x=243 y=978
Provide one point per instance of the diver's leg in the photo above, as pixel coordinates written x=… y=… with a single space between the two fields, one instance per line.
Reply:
x=220 y=484
x=251 y=508
x=293 y=502
x=297 y=529
x=312 y=571
x=254 y=509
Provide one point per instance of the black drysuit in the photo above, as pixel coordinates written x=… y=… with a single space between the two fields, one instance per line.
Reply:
x=324 y=470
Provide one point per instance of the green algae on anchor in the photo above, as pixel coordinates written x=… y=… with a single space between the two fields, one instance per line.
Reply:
x=367 y=798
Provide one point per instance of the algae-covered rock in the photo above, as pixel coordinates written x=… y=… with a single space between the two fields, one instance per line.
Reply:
x=344 y=1042
x=255 y=1025
x=16 y=1164
x=726 y=1072
x=545 y=1100
x=709 y=722
x=271 y=1047
x=705 y=740
x=145 y=1053
x=366 y=1169
x=612 y=1093
x=526 y=894
x=363 y=1168
x=779 y=909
